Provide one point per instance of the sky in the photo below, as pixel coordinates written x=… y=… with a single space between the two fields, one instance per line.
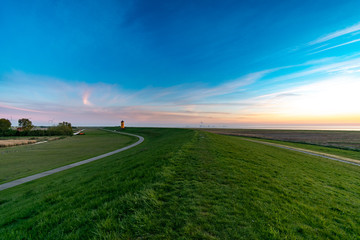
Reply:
x=241 y=64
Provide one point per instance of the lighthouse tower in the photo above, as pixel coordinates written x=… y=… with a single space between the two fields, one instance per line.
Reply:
x=122 y=124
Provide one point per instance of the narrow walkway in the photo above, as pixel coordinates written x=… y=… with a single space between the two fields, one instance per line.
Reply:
x=78 y=132
x=310 y=152
x=47 y=173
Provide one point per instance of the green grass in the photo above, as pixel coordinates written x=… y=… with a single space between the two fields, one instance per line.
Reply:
x=185 y=184
x=348 y=140
x=330 y=150
x=21 y=161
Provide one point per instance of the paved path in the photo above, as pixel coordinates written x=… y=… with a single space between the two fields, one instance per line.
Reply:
x=310 y=152
x=47 y=173
x=79 y=131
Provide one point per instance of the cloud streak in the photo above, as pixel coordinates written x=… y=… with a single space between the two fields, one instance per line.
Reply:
x=336 y=46
x=20 y=109
x=85 y=98
x=352 y=29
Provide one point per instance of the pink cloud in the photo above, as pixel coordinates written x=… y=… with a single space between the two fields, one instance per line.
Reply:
x=20 y=109
x=85 y=98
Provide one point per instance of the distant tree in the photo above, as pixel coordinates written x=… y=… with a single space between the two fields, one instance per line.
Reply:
x=65 y=124
x=63 y=128
x=5 y=124
x=25 y=124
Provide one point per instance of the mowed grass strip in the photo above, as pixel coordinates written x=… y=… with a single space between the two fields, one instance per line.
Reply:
x=21 y=161
x=185 y=184
x=221 y=187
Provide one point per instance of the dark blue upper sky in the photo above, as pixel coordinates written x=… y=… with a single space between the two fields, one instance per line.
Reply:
x=161 y=43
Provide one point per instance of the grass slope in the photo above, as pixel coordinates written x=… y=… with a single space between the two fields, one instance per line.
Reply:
x=21 y=161
x=189 y=184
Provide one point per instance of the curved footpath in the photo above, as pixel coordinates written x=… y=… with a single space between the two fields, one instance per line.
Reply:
x=310 y=152
x=47 y=173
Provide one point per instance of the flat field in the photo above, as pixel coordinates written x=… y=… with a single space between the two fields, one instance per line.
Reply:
x=188 y=184
x=21 y=161
x=339 y=139
x=16 y=141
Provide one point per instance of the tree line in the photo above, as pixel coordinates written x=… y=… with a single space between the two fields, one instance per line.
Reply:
x=26 y=129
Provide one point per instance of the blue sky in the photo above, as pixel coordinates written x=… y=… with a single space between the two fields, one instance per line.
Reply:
x=179 y=63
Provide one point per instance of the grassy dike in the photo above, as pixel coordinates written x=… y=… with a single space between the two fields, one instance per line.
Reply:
x=190 y=185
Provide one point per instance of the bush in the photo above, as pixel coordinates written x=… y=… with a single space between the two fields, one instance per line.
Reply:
x=5 y=124
x=63 y=128
x=52 y=131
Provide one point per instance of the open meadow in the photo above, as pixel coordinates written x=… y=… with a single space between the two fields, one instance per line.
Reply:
x=17 y=141
x=21 y=161
x=189 y=184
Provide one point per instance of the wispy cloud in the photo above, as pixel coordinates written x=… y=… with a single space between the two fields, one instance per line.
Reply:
x=336 y=46
x=20 y=109
x=320 y=69
x=85 y=98
x=352 y=29
x=202 y=94
x=102 y=102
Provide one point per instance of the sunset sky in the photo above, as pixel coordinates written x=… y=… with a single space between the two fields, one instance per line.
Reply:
x=271 y=64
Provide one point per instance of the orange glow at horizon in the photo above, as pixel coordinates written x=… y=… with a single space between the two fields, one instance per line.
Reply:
x=285 y=119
